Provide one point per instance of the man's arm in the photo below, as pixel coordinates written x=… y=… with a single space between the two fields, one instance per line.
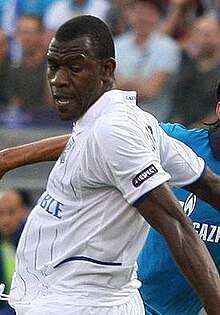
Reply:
x=163 y=211
x=43 y=150
x=207 y=188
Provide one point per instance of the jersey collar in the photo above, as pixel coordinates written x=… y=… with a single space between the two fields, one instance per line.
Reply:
x=103 y=105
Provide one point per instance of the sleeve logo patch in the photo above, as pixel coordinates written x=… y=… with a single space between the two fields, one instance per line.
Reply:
x=144 y=175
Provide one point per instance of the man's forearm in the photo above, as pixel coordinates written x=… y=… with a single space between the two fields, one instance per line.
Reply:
x=207 y=188
x=43 y=150
x=162 y=210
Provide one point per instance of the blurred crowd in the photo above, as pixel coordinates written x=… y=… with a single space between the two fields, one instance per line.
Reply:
x=14 y=209
x=166 y=50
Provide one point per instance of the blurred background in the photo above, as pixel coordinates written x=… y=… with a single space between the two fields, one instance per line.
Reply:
x=167 y=50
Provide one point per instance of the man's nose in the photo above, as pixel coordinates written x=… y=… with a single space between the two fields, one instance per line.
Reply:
x=61 y=78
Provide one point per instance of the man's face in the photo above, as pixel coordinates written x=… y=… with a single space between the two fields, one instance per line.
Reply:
x=205 y=37
x=12 y=212
x=143 y=17
x=29 y=34
x=75 y=76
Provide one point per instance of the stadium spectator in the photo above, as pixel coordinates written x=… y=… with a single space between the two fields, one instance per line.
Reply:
x=116 y=17
x=194 y=96
x=28 y=88
x=13 y=213
x=12 y=10
x=147 y=59
x=29 y=76
x=104 y=273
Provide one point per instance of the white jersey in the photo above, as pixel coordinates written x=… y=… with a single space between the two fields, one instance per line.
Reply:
x=82 y=239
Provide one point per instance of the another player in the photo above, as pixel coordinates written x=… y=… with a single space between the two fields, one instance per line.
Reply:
x=113 y=172
x=164 y=288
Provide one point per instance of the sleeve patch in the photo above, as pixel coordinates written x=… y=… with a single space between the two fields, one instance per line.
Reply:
x=144 y=175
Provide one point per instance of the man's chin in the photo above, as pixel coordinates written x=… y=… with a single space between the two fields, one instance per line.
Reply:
x=66 y=114
x=65 y=117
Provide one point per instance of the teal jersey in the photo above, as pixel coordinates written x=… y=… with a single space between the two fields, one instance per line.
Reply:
x=165 y=290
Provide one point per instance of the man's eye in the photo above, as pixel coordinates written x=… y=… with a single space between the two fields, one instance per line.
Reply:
x=51 y=67
x=76 y=69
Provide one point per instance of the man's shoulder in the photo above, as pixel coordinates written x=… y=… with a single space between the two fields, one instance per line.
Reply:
x=181 y=133
x=117 y=112
x=172 y=128
x=123 y=120
x=178 y=129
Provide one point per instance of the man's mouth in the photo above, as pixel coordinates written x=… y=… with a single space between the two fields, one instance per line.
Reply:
x=61 y=100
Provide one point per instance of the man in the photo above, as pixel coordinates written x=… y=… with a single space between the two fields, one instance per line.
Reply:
x=151 y=75
x=13 y=213
x=28 y=90
x=156 y=277
x=199 y=61
x=164 y=289
x=28 y=76
x=109 y=177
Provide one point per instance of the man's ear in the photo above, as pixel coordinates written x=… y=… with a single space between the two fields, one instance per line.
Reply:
x=109 y=66
x=218 y=110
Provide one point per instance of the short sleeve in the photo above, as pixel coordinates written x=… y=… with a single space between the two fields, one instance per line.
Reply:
x=180 y=161
x=129 y=151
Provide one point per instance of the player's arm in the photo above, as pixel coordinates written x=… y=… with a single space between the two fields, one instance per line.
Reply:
x=43 y=150
x=207 y=188
x=163 y=211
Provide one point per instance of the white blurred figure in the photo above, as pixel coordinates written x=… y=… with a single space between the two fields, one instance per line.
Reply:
x=70 y=8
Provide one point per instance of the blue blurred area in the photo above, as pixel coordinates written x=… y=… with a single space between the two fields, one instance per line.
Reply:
x=15 y=118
